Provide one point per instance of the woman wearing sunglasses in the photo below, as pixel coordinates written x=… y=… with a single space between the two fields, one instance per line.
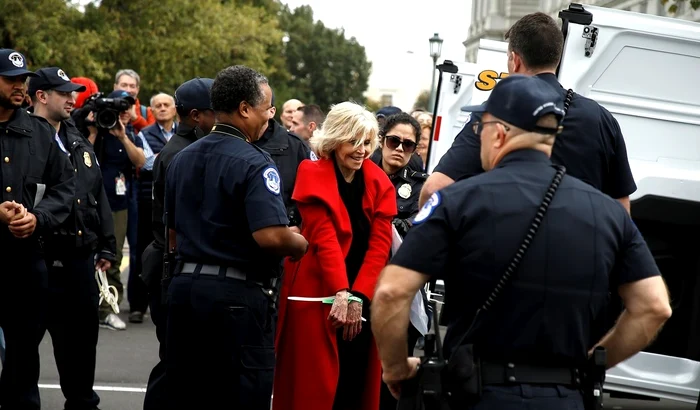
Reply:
x=398 y=141
x=395 y=155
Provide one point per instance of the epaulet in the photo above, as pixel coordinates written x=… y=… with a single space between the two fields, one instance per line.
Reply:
x=418 y=175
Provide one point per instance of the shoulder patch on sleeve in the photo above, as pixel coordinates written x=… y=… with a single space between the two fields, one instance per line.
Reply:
x=428 y=208
x=312 y=156
x=272 y=180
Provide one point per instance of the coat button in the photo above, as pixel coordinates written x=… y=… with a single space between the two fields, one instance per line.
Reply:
x=78 y=201
x=76 y=170
x=7 y=160
x=8 y=189
x=80 y=233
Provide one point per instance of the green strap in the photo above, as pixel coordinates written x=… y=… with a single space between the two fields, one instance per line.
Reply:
x=330 y=300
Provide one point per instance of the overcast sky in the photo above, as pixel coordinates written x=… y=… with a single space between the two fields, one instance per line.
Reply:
x=389 y=29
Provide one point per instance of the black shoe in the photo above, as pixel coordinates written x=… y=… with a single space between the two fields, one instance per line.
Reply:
x=136 y=317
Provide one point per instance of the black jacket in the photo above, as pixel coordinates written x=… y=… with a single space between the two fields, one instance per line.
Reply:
x=90 y=224
x=287 y=150
x=408 y=184
x=184 y=136
x=32 y=162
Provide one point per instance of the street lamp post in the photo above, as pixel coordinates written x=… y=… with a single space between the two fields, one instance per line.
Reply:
x=435 y=51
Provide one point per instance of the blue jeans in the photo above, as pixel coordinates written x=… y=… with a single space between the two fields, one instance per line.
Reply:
x=528 y=397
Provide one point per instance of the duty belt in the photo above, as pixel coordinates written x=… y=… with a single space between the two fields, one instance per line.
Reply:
x=215 y=270
x=510 y=373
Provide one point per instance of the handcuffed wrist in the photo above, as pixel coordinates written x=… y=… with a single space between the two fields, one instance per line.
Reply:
x=354 y=299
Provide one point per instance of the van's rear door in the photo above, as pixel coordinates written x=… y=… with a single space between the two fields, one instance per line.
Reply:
x=644 y=70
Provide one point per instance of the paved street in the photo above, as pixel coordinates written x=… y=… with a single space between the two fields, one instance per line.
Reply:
x=125 y=360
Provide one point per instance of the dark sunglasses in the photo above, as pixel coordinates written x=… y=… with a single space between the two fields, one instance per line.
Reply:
x=393 y=142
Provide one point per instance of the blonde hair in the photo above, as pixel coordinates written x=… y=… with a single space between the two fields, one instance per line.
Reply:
x=345 y=122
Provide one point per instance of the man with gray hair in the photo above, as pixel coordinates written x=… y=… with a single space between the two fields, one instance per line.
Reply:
x=128 y=80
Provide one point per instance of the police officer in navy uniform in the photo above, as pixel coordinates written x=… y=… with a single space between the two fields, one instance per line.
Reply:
x=196 y=120
x=38 y=190
x=591 y=145
x=407 y=180
x=83 y=243
x=539 y=331
x=223 y=200
x=287 y=150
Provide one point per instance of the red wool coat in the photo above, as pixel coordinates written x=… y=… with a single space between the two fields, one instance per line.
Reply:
x=307 y=367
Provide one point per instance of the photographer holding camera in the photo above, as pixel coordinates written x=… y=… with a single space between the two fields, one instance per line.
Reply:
x=118 y=151
x=528 y=302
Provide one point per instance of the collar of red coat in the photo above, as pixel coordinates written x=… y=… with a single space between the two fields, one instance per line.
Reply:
x=316 y=181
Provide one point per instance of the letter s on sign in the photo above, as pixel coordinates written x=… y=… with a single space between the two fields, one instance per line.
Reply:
x=486 y=80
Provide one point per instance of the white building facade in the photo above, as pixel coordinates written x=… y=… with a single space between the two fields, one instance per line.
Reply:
x=492 y=18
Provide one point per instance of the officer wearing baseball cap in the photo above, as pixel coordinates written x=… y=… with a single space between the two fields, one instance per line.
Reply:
x=196 y=120
x=529 y=256
x=83 y=243
x=37 y=189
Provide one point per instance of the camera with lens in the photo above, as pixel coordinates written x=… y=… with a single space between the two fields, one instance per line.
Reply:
x=106 y=110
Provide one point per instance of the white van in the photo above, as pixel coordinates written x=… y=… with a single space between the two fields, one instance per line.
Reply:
x=646 y=71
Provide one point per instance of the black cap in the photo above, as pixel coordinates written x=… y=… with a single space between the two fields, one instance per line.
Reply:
x=522 y=100
x=52 y=78
x=13 y=64
x=194 y=95
x=122 y=94
x=388 y=111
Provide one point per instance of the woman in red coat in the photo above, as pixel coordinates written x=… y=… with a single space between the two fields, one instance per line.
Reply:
x=326 y=355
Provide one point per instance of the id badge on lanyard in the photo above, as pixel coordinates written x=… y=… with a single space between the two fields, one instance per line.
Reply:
x=120 y=184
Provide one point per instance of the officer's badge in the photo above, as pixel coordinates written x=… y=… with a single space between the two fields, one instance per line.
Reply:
x=87 y=160
x=272 y=180
x=405 y=191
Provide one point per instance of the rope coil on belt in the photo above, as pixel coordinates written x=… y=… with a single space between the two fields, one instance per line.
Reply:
x=108 y=292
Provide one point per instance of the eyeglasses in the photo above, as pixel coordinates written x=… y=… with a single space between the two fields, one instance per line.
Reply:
x=393 y=142
x=478 y=126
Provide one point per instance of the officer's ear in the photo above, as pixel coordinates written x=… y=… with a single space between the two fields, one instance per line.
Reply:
x=244 y=109
x=501 y=134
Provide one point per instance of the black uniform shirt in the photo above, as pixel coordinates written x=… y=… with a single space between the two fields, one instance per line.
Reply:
x=591 y=147
x=219 y=190
x=30 y=163
x=552 y=310
x=184 y=136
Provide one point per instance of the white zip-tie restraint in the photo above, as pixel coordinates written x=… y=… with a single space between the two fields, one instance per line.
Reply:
x=328 y=300
x=107 y=293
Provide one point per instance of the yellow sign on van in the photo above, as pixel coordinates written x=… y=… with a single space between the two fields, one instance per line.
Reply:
x=486 y=80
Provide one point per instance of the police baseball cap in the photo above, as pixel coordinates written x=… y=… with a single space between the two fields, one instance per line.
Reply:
x=522 y=100
x=194 y=95
x=122 y=94
x=388 y=111
x=52 y=78
x=13 y=64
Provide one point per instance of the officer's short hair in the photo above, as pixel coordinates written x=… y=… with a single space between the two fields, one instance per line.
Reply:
x=401 y=118
x=537 y=39
x=128 y=72
x=312 y=113
x=236 y=84
x=345 y=122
